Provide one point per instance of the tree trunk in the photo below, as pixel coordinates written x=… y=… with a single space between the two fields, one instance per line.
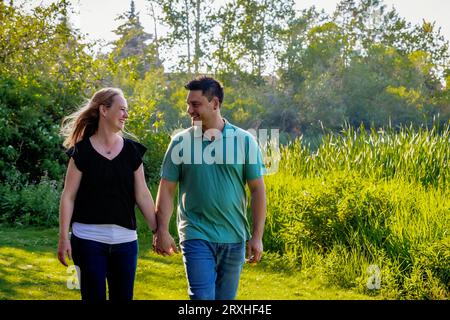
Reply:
x=188 y=36
x=197 y=38
x=155 y=36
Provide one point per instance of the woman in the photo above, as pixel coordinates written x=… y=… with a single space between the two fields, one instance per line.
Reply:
x=104 y=181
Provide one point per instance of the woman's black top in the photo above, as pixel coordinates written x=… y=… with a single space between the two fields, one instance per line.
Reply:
x=106 y=191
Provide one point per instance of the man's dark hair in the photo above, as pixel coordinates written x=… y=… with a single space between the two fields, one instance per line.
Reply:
x=210 y=87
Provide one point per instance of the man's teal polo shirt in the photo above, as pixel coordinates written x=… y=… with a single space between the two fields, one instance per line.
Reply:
x=212 y=176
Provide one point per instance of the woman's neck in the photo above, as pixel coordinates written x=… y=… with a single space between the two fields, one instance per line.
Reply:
x=106 y=137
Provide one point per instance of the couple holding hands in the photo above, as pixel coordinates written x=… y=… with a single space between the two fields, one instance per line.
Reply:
x=105 y=181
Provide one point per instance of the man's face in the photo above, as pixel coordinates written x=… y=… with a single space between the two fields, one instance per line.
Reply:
x=199 y=108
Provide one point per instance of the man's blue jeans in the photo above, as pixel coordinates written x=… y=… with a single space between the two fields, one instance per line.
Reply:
x=99 y=262
x=212 y=269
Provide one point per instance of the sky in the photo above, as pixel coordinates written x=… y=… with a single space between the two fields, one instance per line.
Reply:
x=96 y=18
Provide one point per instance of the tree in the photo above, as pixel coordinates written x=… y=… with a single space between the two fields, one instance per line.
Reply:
x=152 y=4
x=294 y=40
x=319 y=97
x=132 y=42
x=249 y=35
x=188 y=22
x=39 y=87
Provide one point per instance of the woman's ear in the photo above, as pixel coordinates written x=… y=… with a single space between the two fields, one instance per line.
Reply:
x=102 y=109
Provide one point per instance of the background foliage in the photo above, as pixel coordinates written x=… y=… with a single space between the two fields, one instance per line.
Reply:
x=361 y=98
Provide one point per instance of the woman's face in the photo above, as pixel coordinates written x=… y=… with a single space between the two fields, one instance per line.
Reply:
x=117 y=114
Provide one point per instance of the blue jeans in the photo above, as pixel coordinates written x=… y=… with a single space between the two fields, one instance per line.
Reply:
x=212 y=269
x=99 y=262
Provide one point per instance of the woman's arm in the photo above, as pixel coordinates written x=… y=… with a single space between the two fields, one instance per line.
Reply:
x=163 y=242
x=71 y=185
x=144 y=198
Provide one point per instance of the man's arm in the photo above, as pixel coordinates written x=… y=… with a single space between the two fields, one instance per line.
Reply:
x=163 y=241
x=258 y=206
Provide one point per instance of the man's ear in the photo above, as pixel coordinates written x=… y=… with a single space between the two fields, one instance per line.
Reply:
x=216 y=103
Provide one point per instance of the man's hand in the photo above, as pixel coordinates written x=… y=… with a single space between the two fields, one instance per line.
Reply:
x=254 y=250
x=163 y=243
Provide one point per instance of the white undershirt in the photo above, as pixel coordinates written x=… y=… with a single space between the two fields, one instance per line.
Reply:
x=105 y=233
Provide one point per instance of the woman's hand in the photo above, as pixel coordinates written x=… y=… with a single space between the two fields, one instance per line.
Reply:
x=64 y=248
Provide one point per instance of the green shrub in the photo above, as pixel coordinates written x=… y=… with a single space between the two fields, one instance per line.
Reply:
x=381 y=276
x=342 y=266
x=342 y=223
x=156 y=144
x=430 y=275
x=30 y=204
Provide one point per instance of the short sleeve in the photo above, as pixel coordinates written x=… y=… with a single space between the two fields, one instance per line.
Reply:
x=77 y=156
x=138 y=154
x=171 y=166
x=254 y=165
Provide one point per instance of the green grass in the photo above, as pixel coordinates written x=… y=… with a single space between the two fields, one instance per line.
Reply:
x=367 y=198
x=29 y=269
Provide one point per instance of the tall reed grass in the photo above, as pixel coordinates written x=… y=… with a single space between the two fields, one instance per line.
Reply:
x=367 y=198
x=419 y=155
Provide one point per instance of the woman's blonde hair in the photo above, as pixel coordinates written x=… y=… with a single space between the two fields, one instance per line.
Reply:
x=84 y=122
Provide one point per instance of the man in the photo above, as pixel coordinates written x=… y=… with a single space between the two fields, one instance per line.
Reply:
x=212 y=161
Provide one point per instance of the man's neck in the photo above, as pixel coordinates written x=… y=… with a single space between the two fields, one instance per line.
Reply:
x=218 y=124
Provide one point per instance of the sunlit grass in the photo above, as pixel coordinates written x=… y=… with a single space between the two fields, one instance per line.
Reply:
x=29 y=270
x=416 y=155
x=367 y=197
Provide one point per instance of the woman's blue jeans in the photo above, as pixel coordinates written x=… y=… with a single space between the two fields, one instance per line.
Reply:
x=212 y=269
x=99 y=262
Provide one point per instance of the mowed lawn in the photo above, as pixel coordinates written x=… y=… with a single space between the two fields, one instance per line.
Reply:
x=29 y=270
